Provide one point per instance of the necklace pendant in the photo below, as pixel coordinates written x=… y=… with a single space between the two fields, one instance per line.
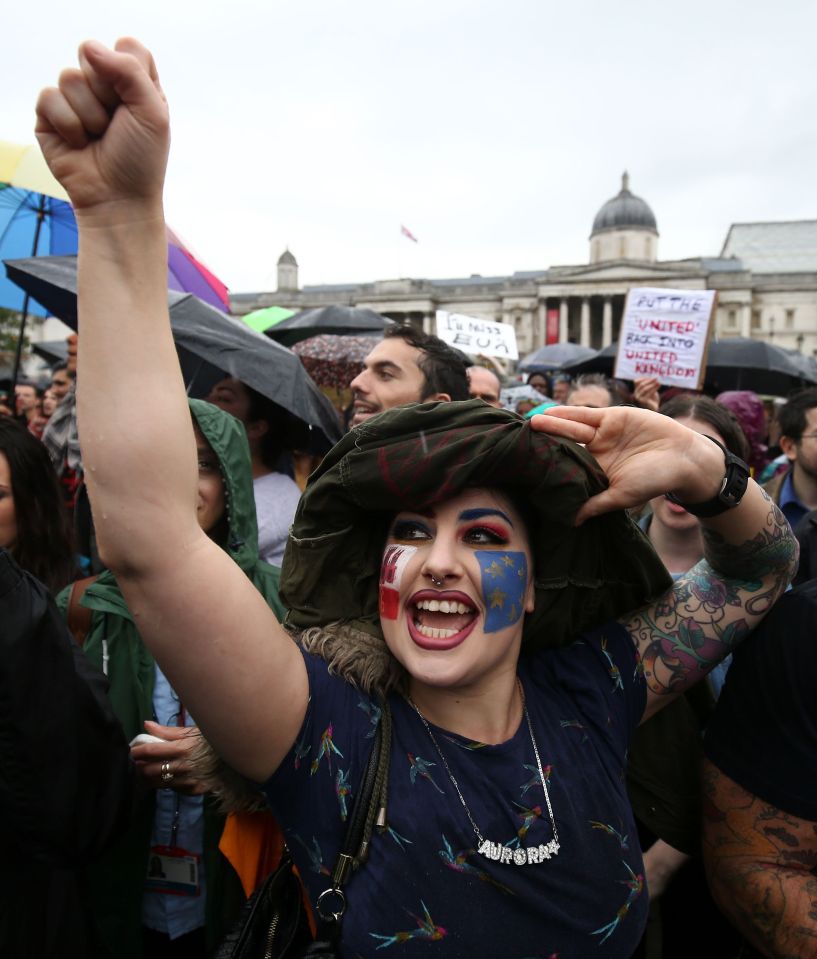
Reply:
x=519 y=856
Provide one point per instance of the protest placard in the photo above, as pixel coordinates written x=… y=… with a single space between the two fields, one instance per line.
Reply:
x=476 y=336
x=665 y=334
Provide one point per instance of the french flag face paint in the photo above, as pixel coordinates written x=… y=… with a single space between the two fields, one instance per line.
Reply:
x=504 y=583
x=395 y=560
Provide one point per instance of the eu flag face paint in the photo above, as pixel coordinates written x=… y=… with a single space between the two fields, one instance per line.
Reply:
x=504 y=582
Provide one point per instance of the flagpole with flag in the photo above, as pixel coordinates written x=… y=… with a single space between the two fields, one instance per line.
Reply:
x=405 y=233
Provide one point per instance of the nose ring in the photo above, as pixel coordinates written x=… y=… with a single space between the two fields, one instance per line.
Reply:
x=437 y=582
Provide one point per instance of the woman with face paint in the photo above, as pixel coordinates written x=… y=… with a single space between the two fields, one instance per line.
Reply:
x=477 y=571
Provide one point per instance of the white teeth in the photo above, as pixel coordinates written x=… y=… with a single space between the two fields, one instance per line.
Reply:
x=433 y=633
x=444 y=606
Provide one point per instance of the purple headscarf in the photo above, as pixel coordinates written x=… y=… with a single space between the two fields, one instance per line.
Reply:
x=751 y=414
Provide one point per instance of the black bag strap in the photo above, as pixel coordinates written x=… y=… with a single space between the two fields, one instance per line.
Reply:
x=369 y=809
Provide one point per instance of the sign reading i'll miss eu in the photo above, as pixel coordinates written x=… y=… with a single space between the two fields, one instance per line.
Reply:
x=477 y=336
x=664 y=334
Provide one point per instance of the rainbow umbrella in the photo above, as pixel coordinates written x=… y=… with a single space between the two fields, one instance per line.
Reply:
x=35 y=216
x=187 y=274
x=35 y=219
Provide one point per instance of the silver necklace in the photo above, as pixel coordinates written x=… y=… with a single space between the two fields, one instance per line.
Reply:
x=497 y=851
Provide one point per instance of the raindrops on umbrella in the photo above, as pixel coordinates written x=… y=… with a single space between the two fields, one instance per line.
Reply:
x=334 y=361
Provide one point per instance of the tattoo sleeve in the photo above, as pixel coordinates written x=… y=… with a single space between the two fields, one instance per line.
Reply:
x=760 y=864
x=713 y=606
x=772 y=551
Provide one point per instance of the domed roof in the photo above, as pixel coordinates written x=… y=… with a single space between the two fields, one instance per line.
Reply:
x=287 y=259
x=626 y=211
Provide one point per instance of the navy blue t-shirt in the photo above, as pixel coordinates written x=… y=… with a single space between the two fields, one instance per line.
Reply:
x=425 y=891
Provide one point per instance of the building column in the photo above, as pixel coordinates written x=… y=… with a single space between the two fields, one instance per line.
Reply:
x=746 y=320
x=429 y=322
x=563 y=320
x=607 y=322
x=584 y=335
x=541 y=339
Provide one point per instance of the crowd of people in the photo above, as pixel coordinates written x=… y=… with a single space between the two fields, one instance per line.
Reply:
x=576 y=614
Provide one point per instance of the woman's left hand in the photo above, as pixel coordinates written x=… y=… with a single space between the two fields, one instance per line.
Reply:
x=150 y=759
x=644 y=454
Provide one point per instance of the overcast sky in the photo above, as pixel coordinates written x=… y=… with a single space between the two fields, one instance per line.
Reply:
x=493 y=130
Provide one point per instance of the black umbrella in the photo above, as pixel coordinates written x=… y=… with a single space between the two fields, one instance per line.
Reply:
x=327 y=319
x=734 y=363
x=602 y=361
x=52 y=351
x=554 y=356
x=210 y=345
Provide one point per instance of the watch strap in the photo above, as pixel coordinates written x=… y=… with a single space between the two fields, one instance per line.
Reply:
x=733 y=487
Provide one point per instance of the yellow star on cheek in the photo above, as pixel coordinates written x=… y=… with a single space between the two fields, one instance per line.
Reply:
x=497 y=598
x=507 y=561
x=512 y=615
x=495 y=569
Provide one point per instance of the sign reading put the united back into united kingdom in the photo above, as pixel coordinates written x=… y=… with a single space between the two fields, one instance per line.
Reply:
x=665 y=335
x=476 y=336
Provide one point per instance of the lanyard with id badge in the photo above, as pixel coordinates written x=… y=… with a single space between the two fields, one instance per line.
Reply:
x=173 y=870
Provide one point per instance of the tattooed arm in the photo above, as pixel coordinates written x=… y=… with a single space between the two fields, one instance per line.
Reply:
x=750 y=551
x=759 y=861
x=719 y=601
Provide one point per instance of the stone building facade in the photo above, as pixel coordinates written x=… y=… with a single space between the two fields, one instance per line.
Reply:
x=765 y=276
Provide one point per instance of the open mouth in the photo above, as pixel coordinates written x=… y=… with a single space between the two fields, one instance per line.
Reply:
x=440 y=620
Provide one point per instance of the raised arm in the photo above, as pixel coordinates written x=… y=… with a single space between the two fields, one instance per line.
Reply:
x=104 y=132
x=750 y=551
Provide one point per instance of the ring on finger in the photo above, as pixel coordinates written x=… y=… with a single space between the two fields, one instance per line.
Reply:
x=167 y=775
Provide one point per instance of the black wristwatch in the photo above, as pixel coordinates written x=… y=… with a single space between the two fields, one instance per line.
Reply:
x=735 y=481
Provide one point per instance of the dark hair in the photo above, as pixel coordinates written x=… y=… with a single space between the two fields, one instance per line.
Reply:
x=719 y=417
x=43 y=545
x=791 y=418
x=285 y=432
x=443 y=367
x=62 y=366
x=37 y=390
x=596 y=379
x=548 y=381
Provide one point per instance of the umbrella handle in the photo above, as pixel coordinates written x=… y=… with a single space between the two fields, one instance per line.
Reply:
x=194 y=377
x=18 y=353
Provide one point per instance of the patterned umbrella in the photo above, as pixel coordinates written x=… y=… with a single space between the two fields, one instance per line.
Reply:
x=333 y=361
